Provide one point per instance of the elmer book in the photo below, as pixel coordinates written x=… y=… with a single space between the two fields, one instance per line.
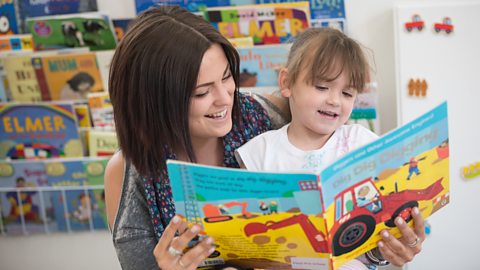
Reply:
x=39 y=131
x=267 y=23
x=318 y=221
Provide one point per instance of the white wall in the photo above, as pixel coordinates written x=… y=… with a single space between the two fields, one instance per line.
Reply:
x=369 y=21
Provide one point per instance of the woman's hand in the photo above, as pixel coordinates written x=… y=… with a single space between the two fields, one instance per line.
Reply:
x=169 y=250
x=403 y=250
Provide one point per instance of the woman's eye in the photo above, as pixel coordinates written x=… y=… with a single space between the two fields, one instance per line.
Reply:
x=198 y=95
x=227 y=76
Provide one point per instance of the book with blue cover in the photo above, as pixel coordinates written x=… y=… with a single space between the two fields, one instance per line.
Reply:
x=192 y=6
x=39 y=131
x=301 y=220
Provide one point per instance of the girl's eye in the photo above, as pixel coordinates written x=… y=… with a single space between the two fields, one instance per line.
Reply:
x=321 y=87
x=348 y=94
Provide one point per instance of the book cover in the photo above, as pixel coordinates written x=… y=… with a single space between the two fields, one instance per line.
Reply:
x=192 y=5
x=121 y=27
x=267 y=23
x=14 y=43
x=104 y=59
x=319 y=9
x=8 y=18
x=92 y=30
x=4 y=91
x=22 y=79
x=83 y=115
x=101 y=110
x=74 y=204
x=318 y=221
x=95 y=169
x=259 y=65
x=69 y=76
x=102 y=143
x=39 y=131
x=24 y=208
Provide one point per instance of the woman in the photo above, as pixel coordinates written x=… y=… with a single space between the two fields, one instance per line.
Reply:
x=173 y=86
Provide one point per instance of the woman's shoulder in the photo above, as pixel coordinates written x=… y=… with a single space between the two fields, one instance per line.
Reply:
x=254 y=118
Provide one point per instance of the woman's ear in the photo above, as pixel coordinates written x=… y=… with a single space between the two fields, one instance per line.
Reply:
x=283 y=83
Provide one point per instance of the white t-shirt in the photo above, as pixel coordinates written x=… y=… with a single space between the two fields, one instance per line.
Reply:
x=272 y=151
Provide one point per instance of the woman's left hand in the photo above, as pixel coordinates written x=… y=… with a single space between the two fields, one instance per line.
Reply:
x=402 y=250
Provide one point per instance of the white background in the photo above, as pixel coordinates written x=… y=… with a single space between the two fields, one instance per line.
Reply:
x=369 y=21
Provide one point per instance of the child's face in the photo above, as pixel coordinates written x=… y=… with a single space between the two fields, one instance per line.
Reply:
x=321 y=108
x=210 y=114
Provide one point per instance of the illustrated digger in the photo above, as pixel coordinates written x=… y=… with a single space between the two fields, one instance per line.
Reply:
x=214 y=213
x=357 y=211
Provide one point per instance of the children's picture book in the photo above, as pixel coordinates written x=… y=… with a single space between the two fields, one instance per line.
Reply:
x=319 y=9
x=319 y=220
x=39 y=131
x=95 y=169
x=192 y=5
x=8 y=18
x=15 y=43
x=259 y=65
x=83 y=115
x=101 y=110
x=75 y=206
x=24 y=209
x=121 y=27
x=267 y=23
x=104 y=59
x=21 y=77
x=68 y=76
x=35 y=8
x=92 y=30
x=102 y=143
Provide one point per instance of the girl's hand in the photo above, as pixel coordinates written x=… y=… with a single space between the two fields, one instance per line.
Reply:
x=169 y=250
x=403 y=250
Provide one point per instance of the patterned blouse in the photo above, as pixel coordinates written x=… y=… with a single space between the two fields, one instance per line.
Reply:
x=254 y=121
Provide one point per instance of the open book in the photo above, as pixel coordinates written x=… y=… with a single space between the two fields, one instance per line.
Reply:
x=308 y=221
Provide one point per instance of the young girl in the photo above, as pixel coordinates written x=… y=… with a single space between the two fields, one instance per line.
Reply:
x=325 y=71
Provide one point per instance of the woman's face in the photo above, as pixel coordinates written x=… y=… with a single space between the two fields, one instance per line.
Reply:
x=210 y=114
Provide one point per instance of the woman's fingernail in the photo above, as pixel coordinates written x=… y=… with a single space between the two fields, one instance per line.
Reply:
x=399 y=221
x=195 y=229
x=175 y=219
x=211 y=250
x=380 y=244
x=385 y=234
x=416 y=211
x=209 y=240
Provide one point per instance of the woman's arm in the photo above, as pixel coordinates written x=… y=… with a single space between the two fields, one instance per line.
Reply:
x=113 y=181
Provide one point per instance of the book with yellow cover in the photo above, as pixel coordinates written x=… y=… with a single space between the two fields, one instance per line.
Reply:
x=69 y=76
x=21 y=78
x=302 y=220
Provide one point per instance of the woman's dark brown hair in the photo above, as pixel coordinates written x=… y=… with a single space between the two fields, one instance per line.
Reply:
x=152 y=77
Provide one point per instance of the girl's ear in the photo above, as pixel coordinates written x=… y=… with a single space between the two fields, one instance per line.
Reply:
x=283 y=83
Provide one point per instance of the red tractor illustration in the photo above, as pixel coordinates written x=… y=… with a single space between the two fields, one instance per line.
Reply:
x=359 y=208
x=446 y=26
x=415 y=23
x=219 y=213
x=315 y=237
x=357 y=211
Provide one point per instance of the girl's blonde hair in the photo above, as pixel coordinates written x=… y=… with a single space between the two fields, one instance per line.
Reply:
x=325 y=53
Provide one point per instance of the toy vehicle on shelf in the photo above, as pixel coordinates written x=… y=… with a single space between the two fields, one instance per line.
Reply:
x=416 y=23
x=446 y=26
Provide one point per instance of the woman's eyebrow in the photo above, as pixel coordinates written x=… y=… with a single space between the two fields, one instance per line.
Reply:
x=210 y=83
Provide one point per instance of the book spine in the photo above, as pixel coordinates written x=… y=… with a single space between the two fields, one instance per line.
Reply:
x=192 y=212
x=42 y=81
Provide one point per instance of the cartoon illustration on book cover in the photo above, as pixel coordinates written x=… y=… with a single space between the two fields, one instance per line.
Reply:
x=191 y=5
x=95 y=169
x=267 y=23
x=39 y=131
x=8 y=18
x=91 y=30
x=299 y=221
x=75 y=206
x=29 y=210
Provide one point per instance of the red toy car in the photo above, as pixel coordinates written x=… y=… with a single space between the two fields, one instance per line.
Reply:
x=445 y=26
x=415 y=23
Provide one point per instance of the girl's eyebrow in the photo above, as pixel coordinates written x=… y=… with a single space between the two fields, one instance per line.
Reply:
x=210 y=83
